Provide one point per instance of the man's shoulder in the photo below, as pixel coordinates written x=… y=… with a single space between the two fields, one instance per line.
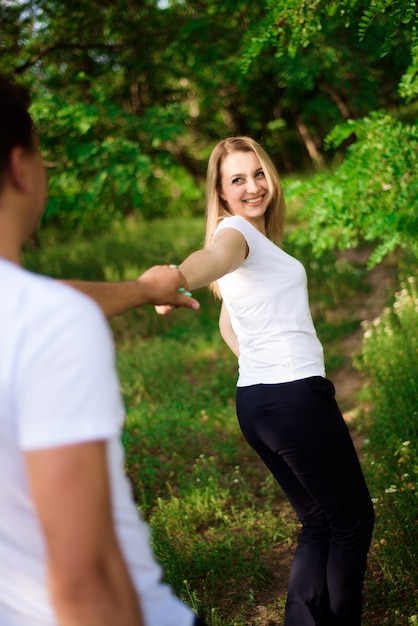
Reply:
x=31 y=296
x=36 y=303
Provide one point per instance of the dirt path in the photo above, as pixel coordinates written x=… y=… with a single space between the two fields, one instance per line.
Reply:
x=368 y=305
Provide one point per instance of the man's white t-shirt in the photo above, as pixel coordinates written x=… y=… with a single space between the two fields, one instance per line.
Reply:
x=267 y=300
x=58 y=386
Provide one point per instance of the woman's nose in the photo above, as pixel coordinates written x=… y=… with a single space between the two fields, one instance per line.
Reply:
x=252 y=186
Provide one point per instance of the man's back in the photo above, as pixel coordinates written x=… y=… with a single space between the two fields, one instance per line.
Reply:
x=59 y=390
x=38 y=372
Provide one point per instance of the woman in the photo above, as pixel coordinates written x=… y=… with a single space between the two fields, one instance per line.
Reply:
x=285 y=404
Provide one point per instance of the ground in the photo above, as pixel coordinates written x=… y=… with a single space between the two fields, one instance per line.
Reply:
x=367 y=305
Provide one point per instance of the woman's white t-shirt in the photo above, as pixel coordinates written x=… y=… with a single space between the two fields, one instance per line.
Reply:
x=267 y=300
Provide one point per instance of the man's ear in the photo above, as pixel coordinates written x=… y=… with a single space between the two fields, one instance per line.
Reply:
x=19 y=169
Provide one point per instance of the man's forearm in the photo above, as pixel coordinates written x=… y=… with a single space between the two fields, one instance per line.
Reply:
x=113 y=298
x=160 y=284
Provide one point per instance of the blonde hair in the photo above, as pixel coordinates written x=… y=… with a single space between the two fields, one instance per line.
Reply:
x=216 y=208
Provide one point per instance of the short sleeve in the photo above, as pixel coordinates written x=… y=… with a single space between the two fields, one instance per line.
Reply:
x=241 y=225
x=67 y=389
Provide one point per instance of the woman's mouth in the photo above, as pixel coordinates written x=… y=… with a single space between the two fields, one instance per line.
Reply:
x=254 y=201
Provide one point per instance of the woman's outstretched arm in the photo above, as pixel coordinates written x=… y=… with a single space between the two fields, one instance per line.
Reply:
x=225 y=255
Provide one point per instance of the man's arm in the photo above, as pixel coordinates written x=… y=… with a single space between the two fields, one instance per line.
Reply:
x=158 y=285
x=88 y=578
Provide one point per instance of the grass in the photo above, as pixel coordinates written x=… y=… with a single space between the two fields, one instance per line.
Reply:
x=221 y=527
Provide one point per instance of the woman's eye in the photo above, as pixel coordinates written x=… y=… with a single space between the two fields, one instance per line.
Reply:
x=236 y=180
x=259 y=174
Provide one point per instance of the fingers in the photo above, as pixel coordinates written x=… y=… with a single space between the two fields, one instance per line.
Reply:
x=188 y=302
x=165 y=286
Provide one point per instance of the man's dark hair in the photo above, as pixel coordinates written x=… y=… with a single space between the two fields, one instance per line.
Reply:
x=16 y=126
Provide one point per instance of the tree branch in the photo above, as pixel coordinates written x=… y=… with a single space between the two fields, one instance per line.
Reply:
x=65 y=46
x=336 y=98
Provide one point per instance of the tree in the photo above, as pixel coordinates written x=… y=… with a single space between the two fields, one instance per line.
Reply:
x=372 y=194
x=131 y=95
x=104 y=104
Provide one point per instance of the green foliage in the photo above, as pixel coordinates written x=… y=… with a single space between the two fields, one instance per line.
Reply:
x=107 y=115
x=131 y=96
x=403 y=13
x=389 y=358
x=372 y=196
x=107 y=162
x=408 y=86
x=127 y=248
x=372 y=193
x=289 y=25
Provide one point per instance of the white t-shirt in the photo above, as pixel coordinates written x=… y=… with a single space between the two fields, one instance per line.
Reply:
x=267 y=300
x=58 y=386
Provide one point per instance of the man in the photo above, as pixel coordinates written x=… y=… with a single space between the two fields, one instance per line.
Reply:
x=73 y=550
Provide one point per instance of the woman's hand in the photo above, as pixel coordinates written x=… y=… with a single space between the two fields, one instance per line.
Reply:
x=166 y=288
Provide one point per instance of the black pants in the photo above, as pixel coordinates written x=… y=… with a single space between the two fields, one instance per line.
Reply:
x=199 y=621
x=298 y=431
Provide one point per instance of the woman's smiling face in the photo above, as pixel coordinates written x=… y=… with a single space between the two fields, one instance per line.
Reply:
x=244 y=187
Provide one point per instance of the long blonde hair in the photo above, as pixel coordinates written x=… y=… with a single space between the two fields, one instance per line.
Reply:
x=216 y=208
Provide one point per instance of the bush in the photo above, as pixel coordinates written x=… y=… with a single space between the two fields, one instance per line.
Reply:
x=372 y=195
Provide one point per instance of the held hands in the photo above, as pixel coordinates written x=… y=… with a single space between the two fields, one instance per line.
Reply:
x=167 y=288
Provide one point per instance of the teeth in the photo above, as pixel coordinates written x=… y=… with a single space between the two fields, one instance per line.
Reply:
x=254 y=200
